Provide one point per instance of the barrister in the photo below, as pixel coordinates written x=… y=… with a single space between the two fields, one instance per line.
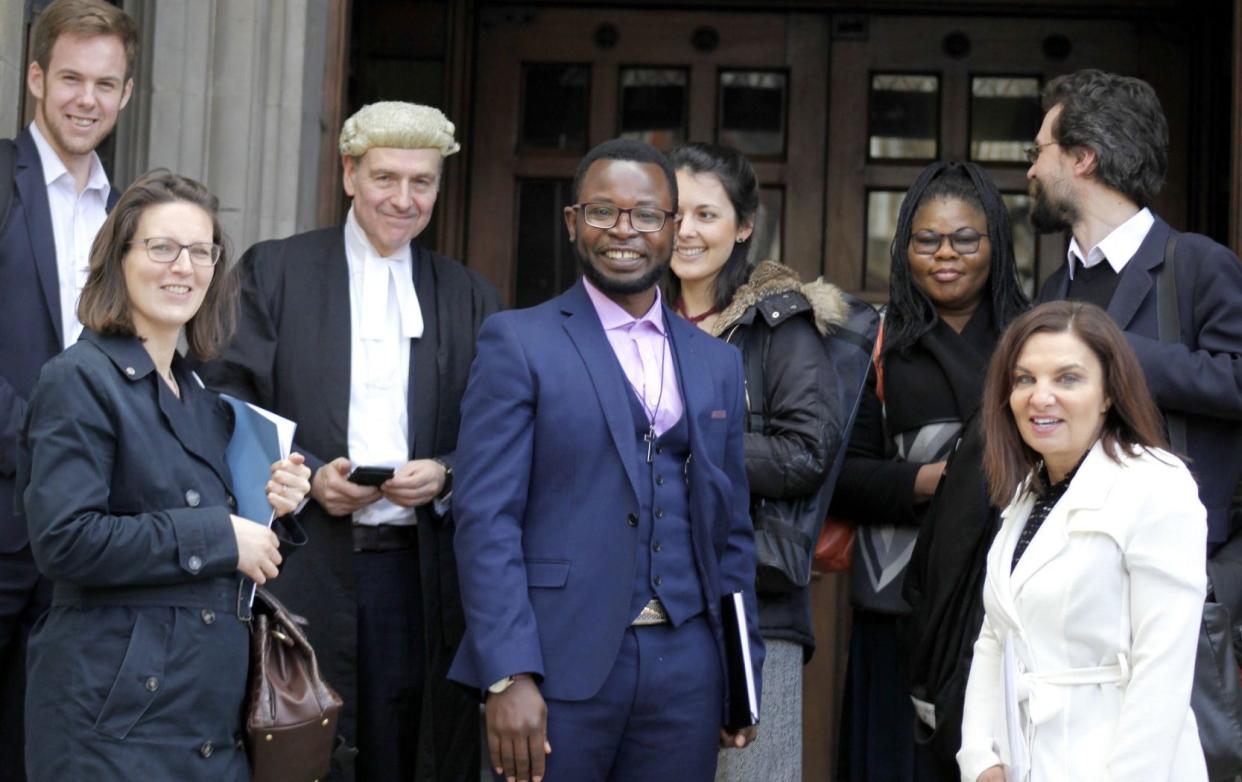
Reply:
x=365 y=338
x=80 y=76
x=602 y=507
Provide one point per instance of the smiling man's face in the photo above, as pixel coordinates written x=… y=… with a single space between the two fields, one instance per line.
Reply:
x=394 y=192
x=619 y=260
x=81 y=93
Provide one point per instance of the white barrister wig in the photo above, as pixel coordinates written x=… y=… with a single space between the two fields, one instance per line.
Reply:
x=397 y=125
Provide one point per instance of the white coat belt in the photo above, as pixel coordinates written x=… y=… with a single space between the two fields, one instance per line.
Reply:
x=1034 y=697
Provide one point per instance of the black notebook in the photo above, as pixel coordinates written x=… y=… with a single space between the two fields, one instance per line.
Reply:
x=743 y=692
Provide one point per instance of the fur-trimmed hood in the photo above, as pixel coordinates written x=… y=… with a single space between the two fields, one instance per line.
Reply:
x=776 y=292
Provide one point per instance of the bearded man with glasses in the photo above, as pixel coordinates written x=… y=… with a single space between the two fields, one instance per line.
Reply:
x=1098 y=162
x=602 y=507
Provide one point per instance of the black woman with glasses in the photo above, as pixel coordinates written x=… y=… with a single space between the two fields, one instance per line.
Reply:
x=953 y=286
x=139 y=667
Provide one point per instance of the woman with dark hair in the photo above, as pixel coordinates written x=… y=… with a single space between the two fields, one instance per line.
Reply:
x=139 y=667
x=794 y=428
x=953 y=286
x=1095 y=582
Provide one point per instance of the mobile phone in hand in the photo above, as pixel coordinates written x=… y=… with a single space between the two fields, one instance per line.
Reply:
x=370 y=476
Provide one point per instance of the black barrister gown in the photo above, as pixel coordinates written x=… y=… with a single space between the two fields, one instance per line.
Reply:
x=291 y=355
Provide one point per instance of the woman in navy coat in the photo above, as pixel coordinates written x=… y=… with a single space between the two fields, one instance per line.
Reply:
x=138 y=671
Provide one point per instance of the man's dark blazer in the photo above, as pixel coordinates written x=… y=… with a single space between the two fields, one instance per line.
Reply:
x=30 y=317
x=30 y=334
x=547 y=495
x=292 y=355
x=1200 y=379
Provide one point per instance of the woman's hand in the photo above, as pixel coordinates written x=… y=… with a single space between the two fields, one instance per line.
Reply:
x=258 y=550
x=994 y=774
x=289 y=484
x=926 y=481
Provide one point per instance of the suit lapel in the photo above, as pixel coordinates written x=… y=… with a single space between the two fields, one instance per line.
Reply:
x=584 y=329
x=1136 y=278
x=33 y=192
x=693 y=374
x=425 y=372
x=330 y=283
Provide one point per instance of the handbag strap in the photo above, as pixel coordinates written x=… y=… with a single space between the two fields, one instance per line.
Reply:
x=876 y=359
x=1168 y=318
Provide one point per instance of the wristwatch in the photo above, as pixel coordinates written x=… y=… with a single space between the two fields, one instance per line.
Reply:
x=448 y=476
x=502 y=685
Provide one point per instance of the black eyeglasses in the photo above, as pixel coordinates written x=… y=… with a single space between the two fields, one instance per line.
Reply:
x=161 y=249
x=963 y=241
x=646 y=219
x=1032 y=151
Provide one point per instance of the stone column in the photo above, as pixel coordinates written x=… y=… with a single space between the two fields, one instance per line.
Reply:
x=12 y=69
x=229 y=93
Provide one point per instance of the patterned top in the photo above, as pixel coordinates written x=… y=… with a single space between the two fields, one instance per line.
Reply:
x=1043 y=506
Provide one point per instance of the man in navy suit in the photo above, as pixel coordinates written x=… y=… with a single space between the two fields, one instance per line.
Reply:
x=1098 y=161
x=80 y=75
x=602 y=507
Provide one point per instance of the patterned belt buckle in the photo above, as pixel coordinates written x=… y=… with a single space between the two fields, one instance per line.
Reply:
x=652 y=614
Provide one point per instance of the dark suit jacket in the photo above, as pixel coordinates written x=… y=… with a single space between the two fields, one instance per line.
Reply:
x=30 y=326
x=291 y=355
x=141 y=661
x=1201 y=378
x=547 y=479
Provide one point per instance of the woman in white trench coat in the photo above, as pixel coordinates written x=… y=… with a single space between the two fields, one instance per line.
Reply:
x=1095 y=582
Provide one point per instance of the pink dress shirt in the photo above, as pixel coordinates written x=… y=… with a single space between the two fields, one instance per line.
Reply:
x=642 y=347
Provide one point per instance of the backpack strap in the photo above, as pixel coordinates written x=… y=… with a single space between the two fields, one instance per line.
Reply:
x=1168 y=318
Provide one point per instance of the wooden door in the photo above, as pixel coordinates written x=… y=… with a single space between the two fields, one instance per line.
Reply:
x=917 y=89
x=552 y=83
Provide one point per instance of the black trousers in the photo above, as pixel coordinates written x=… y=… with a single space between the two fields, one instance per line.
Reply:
x=24 y=596
x=391 y=664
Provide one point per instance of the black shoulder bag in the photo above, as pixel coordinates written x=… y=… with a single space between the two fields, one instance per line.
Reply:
x=1214 y=695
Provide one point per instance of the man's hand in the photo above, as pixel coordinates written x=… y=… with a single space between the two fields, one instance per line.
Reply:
x=994 y=774
x=337 y=495
x=739 y=740
x=415 y=483
x=517 y=731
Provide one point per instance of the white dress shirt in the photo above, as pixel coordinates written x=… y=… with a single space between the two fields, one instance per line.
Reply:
x=76 y=218
x=1118 y=247
x=384 y=315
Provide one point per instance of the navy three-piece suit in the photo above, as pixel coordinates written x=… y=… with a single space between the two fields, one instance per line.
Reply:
x=565 y=529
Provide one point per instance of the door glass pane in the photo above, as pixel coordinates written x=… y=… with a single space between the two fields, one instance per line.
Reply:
x=653 y=105
x=1019 y=205
x=1004 y=117
x=882 y=208
x=752 y=112
x=546 y=265
x=766 y=242
x=904 y=116
x=555 y=105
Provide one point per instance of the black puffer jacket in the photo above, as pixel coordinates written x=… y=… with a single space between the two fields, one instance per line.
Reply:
x=803 y=431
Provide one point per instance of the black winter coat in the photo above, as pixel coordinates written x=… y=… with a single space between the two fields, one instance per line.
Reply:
x=791 y=456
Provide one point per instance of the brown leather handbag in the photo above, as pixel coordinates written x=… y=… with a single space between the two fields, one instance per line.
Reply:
x=291 y=711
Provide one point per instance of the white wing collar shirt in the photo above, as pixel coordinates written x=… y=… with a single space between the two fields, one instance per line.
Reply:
x=384 y=316
x=76 y=218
